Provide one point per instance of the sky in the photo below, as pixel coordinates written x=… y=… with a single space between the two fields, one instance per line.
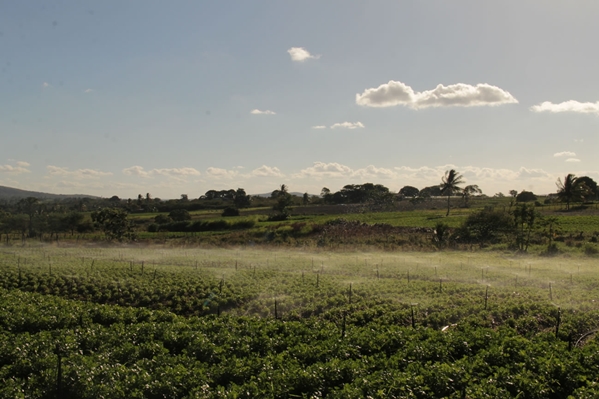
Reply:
x=169 y=98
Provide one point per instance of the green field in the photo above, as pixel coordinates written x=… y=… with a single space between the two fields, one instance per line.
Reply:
x=188 y=322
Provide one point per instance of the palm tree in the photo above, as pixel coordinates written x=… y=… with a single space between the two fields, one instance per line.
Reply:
x=449 y=185
x=571 y=190
x=469 y=190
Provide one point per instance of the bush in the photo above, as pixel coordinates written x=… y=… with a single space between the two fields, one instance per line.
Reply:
x=526 y=196
x=279 y=217
x=591 y=250
x=162 y=219
x=485 y=226
x=229 y=211
x=179 y=215
x=153 y=228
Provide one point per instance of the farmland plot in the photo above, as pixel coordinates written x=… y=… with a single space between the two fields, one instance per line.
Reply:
x=189 y=322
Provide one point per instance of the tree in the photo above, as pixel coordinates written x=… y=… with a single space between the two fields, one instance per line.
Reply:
x=592 y=186
x=29 y=206
x=305 y=199
x=513 y=193
x=571 y=190
x=470 y=190
x=449 y=185
x=526 y=196
x=326 y=195
x=409 y=191
x=525 y=217
x=486 y=226
x=241 y=200
x=113 y=222
x=284 y=201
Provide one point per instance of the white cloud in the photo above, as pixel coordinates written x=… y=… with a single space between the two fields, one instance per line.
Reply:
x=573 y=160
x=87 y=90
x=15 y=169
x=319 y=127
x=455 y=95
x=567 y=106
x=347 y=125
x=23 y=164
x=300 y=54
x=266 y=112
x=221 y=173
x=267 y=171
x=564 y=154
x=45 y=85
x=320 y=170
x=578 y=140
x=177 y=173
x=77 y=174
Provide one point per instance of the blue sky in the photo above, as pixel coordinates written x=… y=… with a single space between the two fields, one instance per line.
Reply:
x=121 y=98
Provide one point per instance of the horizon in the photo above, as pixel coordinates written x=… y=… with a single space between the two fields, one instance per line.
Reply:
x=146 y=97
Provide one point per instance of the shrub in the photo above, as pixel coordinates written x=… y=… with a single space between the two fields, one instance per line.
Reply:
x=591 y=250
x=179 y=215
x=162 y=219
x=526 y=196
x=229 y=211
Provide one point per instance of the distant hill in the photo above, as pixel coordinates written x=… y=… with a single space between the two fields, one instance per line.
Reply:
x=15 y=193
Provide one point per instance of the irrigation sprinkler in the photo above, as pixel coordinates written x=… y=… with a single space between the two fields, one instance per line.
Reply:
x=377 y=273
x=558 y=321
x=350 y=294
x=142 y=267
x=435 y=270
x=550 y=293
x=58 y=371
x=317 y=280
x=486 y=296
x=343 y=326
x=276 y=311
x=154 y=278
x=413 y=319
x=408 y=277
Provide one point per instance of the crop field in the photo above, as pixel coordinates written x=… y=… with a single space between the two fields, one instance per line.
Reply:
x=154 y=322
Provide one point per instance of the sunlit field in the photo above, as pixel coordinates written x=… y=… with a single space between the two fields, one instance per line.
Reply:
x=153 y=322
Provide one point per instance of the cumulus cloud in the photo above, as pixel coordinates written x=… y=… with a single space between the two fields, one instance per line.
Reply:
x=396 y=93
x=573 y=160
x=567 y=106
x=45 y=85
x=267 y=171
x=177 y=173
x=77 y=174
x=87 y=90
x=21 y=167
x=259 y=112
x=300 y=54
x=319 y=127
x=320 y=170
x=23 y=164
x=221 y=173
x=564 y=154
x=347 y=125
